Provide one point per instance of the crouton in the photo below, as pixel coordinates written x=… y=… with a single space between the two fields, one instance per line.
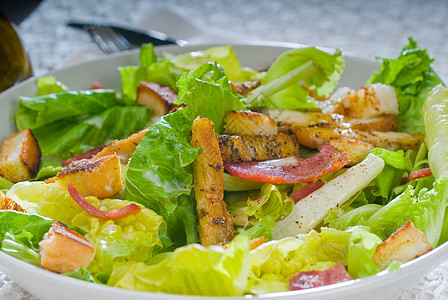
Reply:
x=7 y=203
x=19 y=156
x=156 y=97
x=64 y=250
x=99 y=176
x=123 y=148
x=249 y=123
x=355 y=150
x=403 y=245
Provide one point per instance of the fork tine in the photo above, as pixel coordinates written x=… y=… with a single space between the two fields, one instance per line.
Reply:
x=108 y=40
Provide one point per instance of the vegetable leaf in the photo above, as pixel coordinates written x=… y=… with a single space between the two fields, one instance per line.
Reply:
x=412 y=77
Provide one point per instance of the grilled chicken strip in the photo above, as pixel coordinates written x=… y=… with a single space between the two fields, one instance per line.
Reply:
x=314 y=137
x=244 y=88
x=215 y=223
x=249 y=123
x=257 y=147
x=310 y=119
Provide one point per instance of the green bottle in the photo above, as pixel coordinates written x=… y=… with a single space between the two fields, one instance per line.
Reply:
x=14 y=62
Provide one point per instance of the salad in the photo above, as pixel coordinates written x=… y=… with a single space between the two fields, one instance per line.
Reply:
x=202 y=177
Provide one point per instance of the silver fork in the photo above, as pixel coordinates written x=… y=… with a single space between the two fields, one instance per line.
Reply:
x=108 y=40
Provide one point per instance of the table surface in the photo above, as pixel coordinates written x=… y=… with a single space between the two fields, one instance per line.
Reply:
x=366 y=28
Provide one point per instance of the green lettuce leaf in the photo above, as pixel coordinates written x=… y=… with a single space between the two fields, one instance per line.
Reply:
x=270 y=202
x=361 y=248
x=425 y=208
x=223 y=55
x=38 y=111
x=338 y=219
x=21 y=247
x=190 y=270
x=435 y=116
x=273 y=263
x=152 y=69
x=130 y=238
x=69 y=137
x=160 y=172
x=412 y=77
x=82 y=274
x=396 y=165
x=294 y=96
x=207 y=93
x=264 y=228
x=49 y=85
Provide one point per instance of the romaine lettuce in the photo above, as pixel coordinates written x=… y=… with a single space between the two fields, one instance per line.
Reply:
x=273 y=263
x=49 y=85
x=130 y=238
x=224 y=55
x=319 y=78
x=412 y=77
x=190 y=270
x=152 y=68
x=361 y=248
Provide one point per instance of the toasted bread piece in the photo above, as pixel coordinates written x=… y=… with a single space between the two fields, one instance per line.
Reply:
x=249 y=123
x=123 y=148
x=403 y=245
x=158 y=98
x=215 y=223
x=355 y=150
x=257 y=147
x=7 y=203
x=99 y=176
x=19 y=156
x=64 y=250
x=313 y=137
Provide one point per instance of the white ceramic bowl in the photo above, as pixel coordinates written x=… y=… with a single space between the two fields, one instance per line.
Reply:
x=50 y=286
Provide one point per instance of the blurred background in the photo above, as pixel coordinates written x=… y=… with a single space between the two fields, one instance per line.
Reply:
x=364 y=28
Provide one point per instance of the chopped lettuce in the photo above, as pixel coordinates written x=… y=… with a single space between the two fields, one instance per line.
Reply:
x=320 y=79
x=435 y=116
x=21 y=247
x=264 y=228
x=49 y=85
x=338 y=219
x=152 y=68
x=224 y=55
x=270 y=202
x=70 y=123
x=424 y=208
x=69 y=137
x=207 y=93
x=273 y=263
x=361 y=248
x=412 y=77
x=160 y=172
x=190 y=270
x=130 y=238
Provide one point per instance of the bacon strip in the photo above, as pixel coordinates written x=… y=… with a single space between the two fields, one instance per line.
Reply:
x=291 y=169
x=86 y=155
x=312 y=279
x=418 y=174
x=305 y=191
x=113 y=214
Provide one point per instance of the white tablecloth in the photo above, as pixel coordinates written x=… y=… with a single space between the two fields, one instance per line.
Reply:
x=365 y=28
